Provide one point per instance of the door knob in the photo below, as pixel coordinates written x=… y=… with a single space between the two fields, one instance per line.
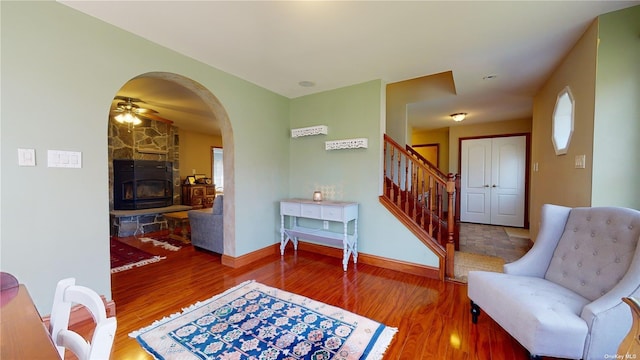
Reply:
x=494 y=185
x=486 y=185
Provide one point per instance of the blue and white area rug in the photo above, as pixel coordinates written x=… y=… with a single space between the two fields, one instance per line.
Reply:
x=254 y=321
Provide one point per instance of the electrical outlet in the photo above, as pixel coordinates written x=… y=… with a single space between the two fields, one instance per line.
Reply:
x=325 y=224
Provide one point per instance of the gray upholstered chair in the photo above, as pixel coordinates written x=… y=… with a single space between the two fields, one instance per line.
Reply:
x=564 y=297
x=207 y=227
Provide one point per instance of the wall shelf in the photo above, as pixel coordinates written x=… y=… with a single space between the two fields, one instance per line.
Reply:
x=346 y=144
x=311 y=130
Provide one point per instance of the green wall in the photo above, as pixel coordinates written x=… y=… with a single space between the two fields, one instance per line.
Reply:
x=60 y=71
x=354 y=174
x=617 y=111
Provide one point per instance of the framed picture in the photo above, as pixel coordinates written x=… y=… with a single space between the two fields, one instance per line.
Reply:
x=200 y=176
x=191 y=180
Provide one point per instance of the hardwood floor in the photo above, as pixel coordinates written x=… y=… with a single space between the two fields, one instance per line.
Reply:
x=432 y=317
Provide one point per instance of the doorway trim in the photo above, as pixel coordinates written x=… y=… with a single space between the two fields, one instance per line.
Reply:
x=526 y=167
x=220 y=114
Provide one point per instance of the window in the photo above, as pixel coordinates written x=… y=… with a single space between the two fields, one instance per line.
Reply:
x=217 y=169
x=563 y=121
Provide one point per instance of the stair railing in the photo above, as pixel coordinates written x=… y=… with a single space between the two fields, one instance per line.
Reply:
x=424 y=198
x=444 y=177
x=426 y=162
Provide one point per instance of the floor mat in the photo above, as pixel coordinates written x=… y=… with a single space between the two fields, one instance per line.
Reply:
x=465 y=262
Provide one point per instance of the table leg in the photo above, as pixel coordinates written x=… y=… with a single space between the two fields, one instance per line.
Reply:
x=185 y=233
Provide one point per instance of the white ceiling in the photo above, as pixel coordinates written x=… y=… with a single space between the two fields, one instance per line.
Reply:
x=277 y=44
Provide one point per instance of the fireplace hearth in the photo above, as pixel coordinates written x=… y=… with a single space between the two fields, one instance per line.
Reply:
x=142 y=184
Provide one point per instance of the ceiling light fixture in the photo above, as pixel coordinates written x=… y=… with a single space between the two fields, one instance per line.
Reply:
x=458 y=116
x=128 y=118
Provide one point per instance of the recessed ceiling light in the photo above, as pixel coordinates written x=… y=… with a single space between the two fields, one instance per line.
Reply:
x=489 y=77
x=306 y=83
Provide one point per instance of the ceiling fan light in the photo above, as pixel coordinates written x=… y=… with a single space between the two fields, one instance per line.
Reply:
x=458 y=116
x=128 y=118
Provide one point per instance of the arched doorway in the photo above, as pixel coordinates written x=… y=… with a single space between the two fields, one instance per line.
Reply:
x=152 y=90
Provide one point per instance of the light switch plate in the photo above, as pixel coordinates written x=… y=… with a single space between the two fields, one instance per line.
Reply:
x=64 y=159
x=26 y=157
x=580 y=161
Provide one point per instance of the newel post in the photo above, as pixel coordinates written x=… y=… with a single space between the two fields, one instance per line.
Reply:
x=450 y=248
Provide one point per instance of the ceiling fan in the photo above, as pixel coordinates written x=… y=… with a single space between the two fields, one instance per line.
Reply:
x=127 y=111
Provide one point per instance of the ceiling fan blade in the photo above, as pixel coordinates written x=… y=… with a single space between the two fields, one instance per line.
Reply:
x=128 y=99
x=128 y=104
x=143 y=111
x=156 y=118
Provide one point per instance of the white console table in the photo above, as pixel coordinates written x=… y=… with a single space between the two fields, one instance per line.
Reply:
x=337 y=211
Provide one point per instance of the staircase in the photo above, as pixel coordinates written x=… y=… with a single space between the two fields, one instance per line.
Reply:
x=423 y=199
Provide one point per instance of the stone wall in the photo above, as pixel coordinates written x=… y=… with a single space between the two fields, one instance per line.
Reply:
x=123 y=226
x=151 y=140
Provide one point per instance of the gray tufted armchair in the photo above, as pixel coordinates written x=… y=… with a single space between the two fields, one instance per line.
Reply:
x=207 y=227
x=564 y=297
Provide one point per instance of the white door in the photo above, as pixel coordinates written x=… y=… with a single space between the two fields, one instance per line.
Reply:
x=507 y=185
x=475 y=193
x=492 y=181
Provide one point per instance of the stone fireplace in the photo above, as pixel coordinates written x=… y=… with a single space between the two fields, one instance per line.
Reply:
x=152 y=142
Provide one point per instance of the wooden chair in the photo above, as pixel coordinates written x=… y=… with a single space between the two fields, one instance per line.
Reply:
x=67 y=294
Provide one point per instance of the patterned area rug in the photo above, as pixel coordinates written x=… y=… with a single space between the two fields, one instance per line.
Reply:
x=125 y=257
x=165 y=242
x=254 y=321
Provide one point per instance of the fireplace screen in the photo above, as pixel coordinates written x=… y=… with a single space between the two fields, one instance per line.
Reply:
x=142 y=184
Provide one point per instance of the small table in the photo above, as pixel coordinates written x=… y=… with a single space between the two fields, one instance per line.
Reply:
x=182 y=219
x=24 y=335
x=326 y=211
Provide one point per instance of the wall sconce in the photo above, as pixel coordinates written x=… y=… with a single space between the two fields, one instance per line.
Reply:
x=458 y=116
x=317 y=196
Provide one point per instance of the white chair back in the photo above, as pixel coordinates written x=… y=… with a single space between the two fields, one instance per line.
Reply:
x=67 y=294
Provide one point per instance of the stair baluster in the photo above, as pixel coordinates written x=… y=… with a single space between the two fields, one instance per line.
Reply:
x=414 y=191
